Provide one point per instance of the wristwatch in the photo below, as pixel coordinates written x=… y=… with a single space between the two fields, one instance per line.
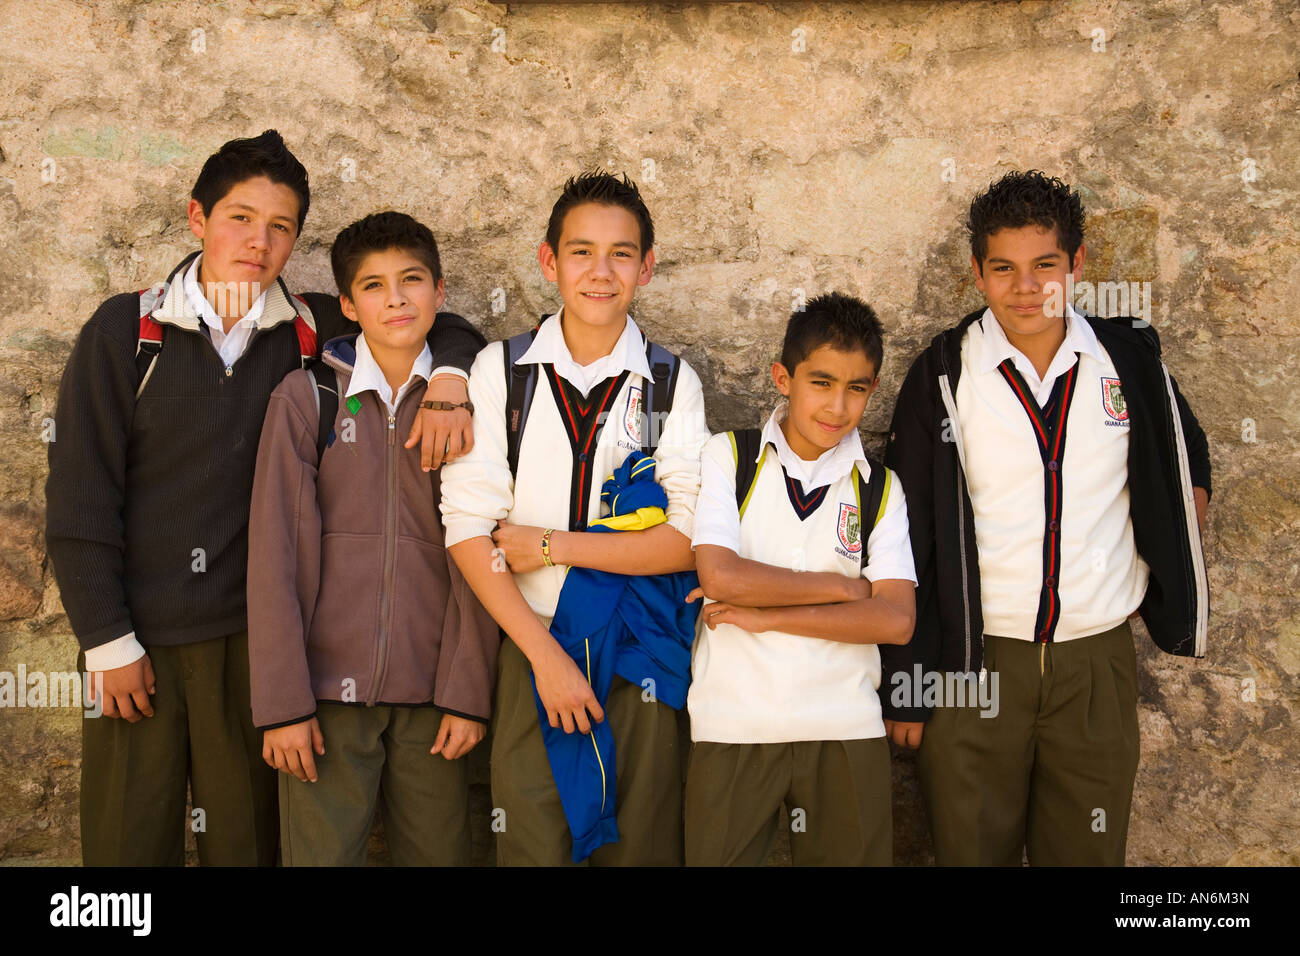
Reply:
x=448 y=406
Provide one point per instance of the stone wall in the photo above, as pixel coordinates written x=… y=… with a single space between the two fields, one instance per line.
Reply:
x=784 y=149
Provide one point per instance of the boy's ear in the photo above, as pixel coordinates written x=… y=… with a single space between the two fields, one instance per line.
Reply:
x=440 y=295
x=1077 y=266
x=781 y=378
x=348 y=308
x=978 y=269
x=197 y=220
x=647 y=267
x=546 y=259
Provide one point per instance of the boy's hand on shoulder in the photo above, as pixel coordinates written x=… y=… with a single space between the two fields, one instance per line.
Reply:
x=905 y=733
x=457 y=736
x=126 y=690
x=565 y=693
x=443 y=435
x=521 y=546
x=289 y=749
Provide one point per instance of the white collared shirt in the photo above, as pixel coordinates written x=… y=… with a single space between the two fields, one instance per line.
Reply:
x=774 y=687
x=549 y=347
x=1079 y=338
x=1101 y=578
x=368 y=376
x=717 y=519
x=229 y=345
x=478 y=488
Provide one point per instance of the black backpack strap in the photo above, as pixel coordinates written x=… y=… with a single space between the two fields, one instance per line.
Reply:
x=872 y=498
x=744 y=446
x=326 y=382
x=659 y=392
x=521 y=382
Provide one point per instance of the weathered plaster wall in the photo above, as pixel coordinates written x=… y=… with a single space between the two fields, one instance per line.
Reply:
x=781 y=147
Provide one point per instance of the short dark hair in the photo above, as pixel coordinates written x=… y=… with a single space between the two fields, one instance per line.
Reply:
x=604 y=189
x=1023 y=199
x=380 y=232
x=242 y=159
x=843 y=322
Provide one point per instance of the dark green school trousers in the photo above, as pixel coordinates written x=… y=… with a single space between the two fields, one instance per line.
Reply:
x=1051 y=775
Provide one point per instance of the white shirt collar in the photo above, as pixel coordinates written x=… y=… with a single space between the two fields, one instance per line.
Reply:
x=996 y=348
x=831 y=466
x=203 y=308
x=368 y=376
x=549 y=347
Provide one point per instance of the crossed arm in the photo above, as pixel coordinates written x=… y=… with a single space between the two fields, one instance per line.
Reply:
x=761 y=597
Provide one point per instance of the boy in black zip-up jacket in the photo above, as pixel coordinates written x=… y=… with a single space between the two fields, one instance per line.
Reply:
x=1056 y=484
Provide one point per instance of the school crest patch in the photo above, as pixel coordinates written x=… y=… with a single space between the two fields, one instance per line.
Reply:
x=633 y=416
x=1112 y=399
x=850 y=528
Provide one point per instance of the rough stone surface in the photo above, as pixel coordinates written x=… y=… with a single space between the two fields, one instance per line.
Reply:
x=784 y=149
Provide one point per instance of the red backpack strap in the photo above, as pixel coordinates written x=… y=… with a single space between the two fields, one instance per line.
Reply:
x=304 y=324
x=306 y=339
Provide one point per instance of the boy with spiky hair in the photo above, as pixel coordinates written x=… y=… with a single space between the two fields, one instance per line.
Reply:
x=368 y=651
x=1056 y=484
x=159 y=413
x=802 y=550
x=590 y=389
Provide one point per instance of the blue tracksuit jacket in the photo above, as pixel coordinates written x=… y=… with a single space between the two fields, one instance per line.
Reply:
x=639 y=627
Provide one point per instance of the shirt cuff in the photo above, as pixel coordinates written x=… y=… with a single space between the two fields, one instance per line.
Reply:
x=449 y=370
x=117 y=653
x=886 y=571
x=685 y=523
x=464 y=528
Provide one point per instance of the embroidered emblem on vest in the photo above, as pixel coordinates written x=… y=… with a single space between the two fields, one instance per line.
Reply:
x=634 y=414
x=1112 y=399
x=849 y=528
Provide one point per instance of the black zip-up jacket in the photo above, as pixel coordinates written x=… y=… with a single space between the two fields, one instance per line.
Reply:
x=148 y=498
x=1168 y=456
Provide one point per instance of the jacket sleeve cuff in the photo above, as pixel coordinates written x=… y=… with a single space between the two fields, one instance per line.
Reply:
x=905 y=714
x=285 y=723
x=116 y=653
x=457 y=713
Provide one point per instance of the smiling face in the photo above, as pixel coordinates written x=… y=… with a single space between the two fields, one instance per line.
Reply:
x=828 y=392
x=394 y=299
x=247 y=238
x=1015 y=279
x=598 y=265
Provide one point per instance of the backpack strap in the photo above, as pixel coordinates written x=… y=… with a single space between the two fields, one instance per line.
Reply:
x=304 y=325
x=659 y=392
x=149 y=338
x=326 y=393
x=871 y=498
x=744 y=448
x=521 y=382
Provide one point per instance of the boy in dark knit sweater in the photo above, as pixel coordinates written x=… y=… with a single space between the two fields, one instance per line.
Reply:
x=159 y=413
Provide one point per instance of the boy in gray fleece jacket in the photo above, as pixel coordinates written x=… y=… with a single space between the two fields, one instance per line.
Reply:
x=372 y=662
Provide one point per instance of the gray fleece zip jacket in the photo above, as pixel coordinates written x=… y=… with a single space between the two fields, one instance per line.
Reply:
x=352 y=596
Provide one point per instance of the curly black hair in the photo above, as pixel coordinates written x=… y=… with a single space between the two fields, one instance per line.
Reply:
x=840 y=321
x=379 y=232
x=604 y=189
x=1023 y=199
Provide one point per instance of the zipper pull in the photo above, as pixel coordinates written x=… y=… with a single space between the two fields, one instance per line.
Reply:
x=229 y=371
x=983 y=674
x=392 y=428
